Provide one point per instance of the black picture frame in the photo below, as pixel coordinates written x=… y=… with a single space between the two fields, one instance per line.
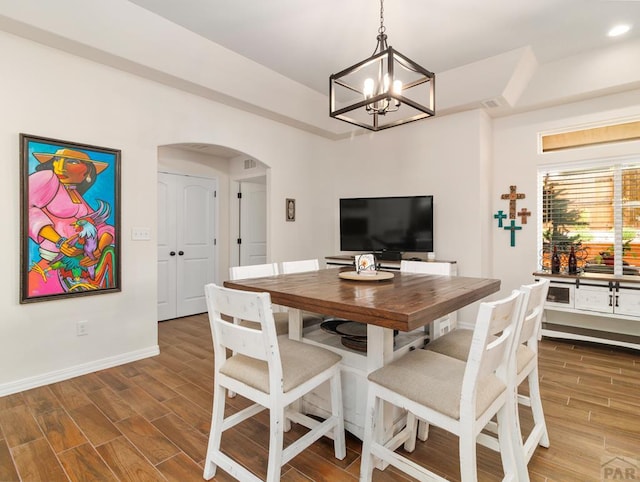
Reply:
x=290 y=209
x=70 y=219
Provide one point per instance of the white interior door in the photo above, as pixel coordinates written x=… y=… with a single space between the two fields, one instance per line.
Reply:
x=186 y=244
x=253 y=223
x=167 y=260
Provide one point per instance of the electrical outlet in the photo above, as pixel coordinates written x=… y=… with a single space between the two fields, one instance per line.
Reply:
x=82 y=328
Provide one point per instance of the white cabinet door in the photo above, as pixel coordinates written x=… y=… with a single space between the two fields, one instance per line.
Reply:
x=594 y=298
x=186 y=243
x=628 y=302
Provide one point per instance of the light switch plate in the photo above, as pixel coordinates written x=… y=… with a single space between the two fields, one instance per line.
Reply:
x=140 y=234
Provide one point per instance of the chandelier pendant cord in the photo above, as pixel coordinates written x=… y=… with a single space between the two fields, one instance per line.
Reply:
x=382 y=37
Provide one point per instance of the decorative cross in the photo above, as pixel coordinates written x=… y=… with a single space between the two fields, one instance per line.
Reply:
x=512 y=196
x=513 y=228
x=500 y=215
x=524 y=214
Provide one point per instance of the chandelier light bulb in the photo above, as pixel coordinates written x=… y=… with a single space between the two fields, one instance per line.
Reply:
x=397 y=90
x=368 y=88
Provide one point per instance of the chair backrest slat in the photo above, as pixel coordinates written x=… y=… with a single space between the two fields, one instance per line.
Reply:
x=240 y=339
x=535 y=309
x=487 y=354
x=253 y=271
x=300 y=266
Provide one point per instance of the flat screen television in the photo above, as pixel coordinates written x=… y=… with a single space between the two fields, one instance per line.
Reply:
x=378 y=224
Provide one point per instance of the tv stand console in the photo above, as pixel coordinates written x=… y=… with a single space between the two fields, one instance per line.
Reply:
x=611 y=302
x=348 y=260
x=389 y=255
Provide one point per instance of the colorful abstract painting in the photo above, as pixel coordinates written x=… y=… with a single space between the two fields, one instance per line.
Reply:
x=70 y=223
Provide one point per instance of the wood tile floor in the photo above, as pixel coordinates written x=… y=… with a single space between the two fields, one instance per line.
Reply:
x=149 y=420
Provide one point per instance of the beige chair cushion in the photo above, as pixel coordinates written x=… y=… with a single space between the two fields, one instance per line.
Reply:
x=435 y=381
x=455 y=344
x=282 y=321
x=300 y=362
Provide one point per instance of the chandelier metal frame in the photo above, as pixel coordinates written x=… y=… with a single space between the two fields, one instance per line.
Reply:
x=385 y=99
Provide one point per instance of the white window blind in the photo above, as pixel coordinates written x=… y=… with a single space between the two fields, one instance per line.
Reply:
x=596 y=211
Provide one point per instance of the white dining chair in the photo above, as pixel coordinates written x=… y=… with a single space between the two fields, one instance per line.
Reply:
x=300 y=266
x=456 y=396
x=446 y=323
x=309 y=318
x=527 y=366
x=260 y=271
x=281 y=317
x=457 y=344
x=425 y=267
x=271 y=371
x=253 y=271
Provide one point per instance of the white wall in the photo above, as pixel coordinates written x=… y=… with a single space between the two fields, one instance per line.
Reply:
x=49 y=93
x=516 y=160
x=442 y=156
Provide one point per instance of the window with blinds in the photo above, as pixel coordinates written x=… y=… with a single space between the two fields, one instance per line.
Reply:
x=595 y=211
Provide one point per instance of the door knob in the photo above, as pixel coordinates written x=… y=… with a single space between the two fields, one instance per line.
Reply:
x=180 y=253
x=172 y=253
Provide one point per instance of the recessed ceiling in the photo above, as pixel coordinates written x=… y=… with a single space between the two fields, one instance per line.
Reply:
x=308 y=41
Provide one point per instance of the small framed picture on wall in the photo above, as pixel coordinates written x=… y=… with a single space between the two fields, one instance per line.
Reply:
x=290 y=206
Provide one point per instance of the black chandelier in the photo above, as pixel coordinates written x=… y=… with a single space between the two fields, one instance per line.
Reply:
x=383 y=91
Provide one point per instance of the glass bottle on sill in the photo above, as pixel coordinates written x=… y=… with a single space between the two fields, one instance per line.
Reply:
x=573 y=262
x=555 y=261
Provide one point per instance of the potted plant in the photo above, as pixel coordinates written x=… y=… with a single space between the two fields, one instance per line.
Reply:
x=608 y=257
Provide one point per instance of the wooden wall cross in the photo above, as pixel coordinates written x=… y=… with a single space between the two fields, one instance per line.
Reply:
x=513 y=228
x=500 y=215
x=512 y=196
x=524 y=214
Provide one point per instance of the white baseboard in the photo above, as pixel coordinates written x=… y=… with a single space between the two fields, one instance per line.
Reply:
x=75 y=371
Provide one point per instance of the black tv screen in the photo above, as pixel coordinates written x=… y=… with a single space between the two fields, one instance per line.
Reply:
x=387 y=224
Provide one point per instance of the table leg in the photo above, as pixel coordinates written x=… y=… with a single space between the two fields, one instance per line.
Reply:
x=295 y=324
x=295 y=333
x=379 y=347
x=379 y=354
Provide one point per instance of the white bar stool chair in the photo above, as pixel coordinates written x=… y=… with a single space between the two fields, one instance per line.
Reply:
x=302 y=266
x=272 y=372
x=456 y=396
x=457 y=344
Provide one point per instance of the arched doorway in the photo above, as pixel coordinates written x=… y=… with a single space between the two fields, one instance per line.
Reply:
x=228 y=170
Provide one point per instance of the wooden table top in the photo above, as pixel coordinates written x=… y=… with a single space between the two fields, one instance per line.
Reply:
x=406 y=302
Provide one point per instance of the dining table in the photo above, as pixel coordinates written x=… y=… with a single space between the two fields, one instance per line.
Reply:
x=394 y=303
